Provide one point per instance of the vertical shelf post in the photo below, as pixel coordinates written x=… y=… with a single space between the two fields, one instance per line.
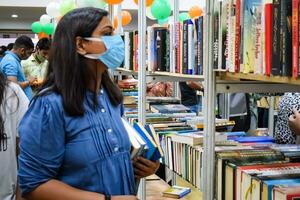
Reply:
x=271 y=116
x=209 y=108
x=119 y=28
x=142 y=77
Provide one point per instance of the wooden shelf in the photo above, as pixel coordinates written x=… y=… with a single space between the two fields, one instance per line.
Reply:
x=161 y=76
x=257 y=77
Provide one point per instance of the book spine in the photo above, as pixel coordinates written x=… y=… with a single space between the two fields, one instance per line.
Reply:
x=127 y=50
x=167 y=52
x=231 y=36
x=225 y=33
x=159 y=50
x=191 y=47
x=216 y=23
x=276 y=61
x=268 y=37
x=241 y=69
x=178 y=47
x=263 y=39
x=220 y=47
x=171 y=52
x=286 y=37
x=185 y=48
x=237 y=36
x=295 y=38
x=258 y=41
x=149 y=38
x=200 y=46
x=131 y=64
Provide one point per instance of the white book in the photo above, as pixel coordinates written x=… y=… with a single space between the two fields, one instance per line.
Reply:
x=137 y=142
x=258 y=41
x=172 y=48
x=191 y=49
x=232 y=37
x=127 y=50
x=150 y=41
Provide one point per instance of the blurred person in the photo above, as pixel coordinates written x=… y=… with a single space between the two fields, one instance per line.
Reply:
x=189 y=96
x=160 y=89
x=11 y=64
x=10 y=46
x=2 y=52
x=36 y=65
x=13 y=105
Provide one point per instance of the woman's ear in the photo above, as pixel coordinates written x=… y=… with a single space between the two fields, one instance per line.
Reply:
x=80 y=46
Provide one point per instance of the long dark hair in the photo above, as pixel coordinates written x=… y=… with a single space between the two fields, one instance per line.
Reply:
x=68 y=74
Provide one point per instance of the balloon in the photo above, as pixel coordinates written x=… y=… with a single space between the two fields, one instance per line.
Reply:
x=126 y=19
x=184 y=16
x=48 y=28
x=161 y=9
x=53 y=9
x=66 y=6
x=36 y=27
x=148 y=2
x=100 y=4
x=195 y=11
x=163 y=21
x=45 y=19
x=42 y=35
x=86 y=3
x=113 y=1
x=149 y=14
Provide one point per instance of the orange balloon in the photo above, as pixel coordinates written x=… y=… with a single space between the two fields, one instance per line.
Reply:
x=195 y=11
x=148 y=2
x=113 y=1
x=42 y=35
x=126 y=19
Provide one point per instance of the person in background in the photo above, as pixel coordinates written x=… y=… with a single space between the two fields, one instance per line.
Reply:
x=2 y=52
x=160 y=89
x=10 y=46
x=189 y=95
x=73 y=144
x=288 y=121
x=36 y=65
x=11 y=64
x=13 y=105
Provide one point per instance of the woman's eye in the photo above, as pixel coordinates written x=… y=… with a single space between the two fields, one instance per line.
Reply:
x=108 y=33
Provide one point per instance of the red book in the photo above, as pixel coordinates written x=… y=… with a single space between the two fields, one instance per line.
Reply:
x=178 y=47
x=136 y=41
x=237 y=36
x=268 y=37
x=286 y=193
x=295 y=37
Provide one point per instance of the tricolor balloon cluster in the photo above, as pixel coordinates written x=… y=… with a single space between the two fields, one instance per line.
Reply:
x=54 y=12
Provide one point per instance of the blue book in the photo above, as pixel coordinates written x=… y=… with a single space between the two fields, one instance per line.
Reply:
x=235 y=134
x=158 y=153
x=261 y=139
x=285 y=182
x=147 y=138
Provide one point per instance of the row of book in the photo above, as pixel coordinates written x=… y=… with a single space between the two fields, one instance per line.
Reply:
x=257 y=36
x=186 y=56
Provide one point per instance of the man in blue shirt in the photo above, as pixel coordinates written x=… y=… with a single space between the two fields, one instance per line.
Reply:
x=2 y=52
x=11 y=64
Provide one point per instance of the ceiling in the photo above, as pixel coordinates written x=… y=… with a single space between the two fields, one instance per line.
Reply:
x=24 y=13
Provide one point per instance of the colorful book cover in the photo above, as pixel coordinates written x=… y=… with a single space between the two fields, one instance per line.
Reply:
x=276 y=37
x=250 y=10
x=295 y=37
x=268 y=37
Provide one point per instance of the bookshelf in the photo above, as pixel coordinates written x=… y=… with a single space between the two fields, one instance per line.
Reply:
x=258 y=77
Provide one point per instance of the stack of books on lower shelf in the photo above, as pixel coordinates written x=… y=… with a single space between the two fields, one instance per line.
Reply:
x=257 y=172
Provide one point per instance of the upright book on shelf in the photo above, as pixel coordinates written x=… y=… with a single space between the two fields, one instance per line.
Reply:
x=276 y=58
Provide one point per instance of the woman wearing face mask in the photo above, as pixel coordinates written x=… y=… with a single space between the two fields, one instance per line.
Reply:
x=73 y=144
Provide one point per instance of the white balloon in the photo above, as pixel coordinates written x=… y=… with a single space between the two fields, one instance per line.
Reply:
x=53 y=9
x=45 y=19
x=87 y=3
x=149 y=14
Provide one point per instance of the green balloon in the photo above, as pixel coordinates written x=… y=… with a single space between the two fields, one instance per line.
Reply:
x=100 y=4
x=161 y=9
x=36 y=27
x=66 y=6
x=163 y=21
x=184 y=16
x=48 y=29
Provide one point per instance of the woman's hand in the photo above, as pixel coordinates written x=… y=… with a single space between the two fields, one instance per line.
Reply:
x=124 y=197
x=294 y=122
x=144 y=167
